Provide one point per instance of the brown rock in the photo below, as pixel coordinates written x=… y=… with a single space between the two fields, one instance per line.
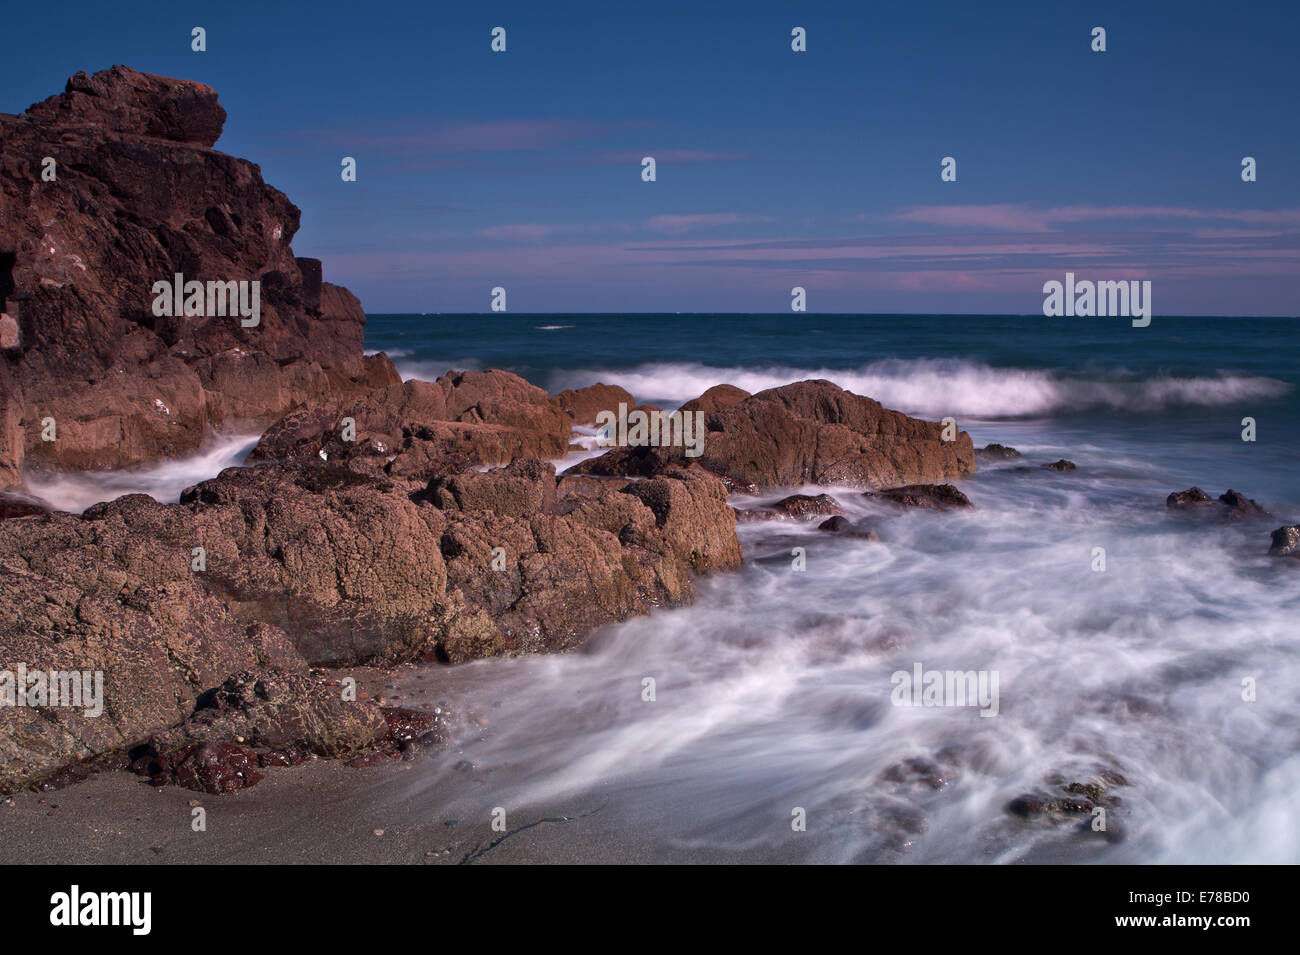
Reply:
x=810 y=432
x=583 y=404
x=719 y=396
x=139 y=197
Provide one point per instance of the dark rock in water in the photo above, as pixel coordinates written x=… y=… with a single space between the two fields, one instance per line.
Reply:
x=807 y=505
x=210 y=768
x=939 y=497
x=918 y=770
x=1286 y=542
x=796 y=506
x=996 y=452
x=844 y=527
x=1075 y=798
x=1192 y=497
x=1062 y=465
x=140 y=197
x=1239 y=505
x=1231 y=504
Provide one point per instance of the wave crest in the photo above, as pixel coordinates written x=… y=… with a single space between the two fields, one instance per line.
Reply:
x=940 y=387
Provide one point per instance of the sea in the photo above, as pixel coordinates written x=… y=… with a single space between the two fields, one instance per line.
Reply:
x=1137 y=649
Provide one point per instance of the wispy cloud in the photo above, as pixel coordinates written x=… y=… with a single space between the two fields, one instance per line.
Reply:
x=685 y=223
x=1022 y=217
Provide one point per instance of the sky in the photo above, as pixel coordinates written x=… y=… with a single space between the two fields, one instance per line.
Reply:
x=820 y=169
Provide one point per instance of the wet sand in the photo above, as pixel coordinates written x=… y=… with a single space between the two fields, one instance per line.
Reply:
x=322 y=812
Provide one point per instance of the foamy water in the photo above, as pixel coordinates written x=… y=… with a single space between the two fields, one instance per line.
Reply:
x=937 y=388
x=163 y=481
x=773 y=691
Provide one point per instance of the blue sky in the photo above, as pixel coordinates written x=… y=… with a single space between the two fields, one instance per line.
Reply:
x=775 y=169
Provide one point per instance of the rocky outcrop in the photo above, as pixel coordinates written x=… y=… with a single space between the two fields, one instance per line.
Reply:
x=810 y=432
x=281 y=566
x=418 y=430
x=105 y=190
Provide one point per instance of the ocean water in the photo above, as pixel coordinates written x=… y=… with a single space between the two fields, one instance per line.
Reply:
x=773 y=691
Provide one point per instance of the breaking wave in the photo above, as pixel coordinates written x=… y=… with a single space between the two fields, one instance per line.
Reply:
x=939 y=387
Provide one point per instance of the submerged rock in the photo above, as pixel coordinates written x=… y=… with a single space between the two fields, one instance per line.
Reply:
x=937 y=497
x=1230 y=504
x=844 y=527
x=997 y=452
x=1286 y=542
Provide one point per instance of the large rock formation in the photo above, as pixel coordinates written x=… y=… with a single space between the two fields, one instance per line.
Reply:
x=112 y=186
x=326 y=565
x=809 y=432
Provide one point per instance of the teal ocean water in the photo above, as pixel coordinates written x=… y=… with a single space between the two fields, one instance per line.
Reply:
x=774 y=689
x=1170 y=397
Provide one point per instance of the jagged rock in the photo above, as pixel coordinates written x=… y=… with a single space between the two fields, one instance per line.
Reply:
x=140 y=196
x=1062 y=465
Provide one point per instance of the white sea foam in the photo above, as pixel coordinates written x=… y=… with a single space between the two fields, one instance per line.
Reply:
x=162 y=481
x=940 y=387
x=773 y=692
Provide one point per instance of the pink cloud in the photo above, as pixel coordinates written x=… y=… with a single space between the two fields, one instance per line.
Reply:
x=1019 y=217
